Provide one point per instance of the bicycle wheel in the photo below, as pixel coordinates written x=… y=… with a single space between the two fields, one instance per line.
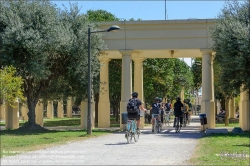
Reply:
x=155 y=126
x=177 y=125
x=184 y=121
x=159 y=127
x=136 y=136
x=129 y=137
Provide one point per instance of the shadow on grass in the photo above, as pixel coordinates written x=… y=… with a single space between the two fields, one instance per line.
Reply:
x=45 y=131
x=244 y=145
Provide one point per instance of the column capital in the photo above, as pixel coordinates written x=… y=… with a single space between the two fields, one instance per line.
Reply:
x=126 y=52
x=103 y=59
x=138 y=60
x=206 y=51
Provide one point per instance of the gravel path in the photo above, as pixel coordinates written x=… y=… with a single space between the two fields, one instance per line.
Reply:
x=166 y=148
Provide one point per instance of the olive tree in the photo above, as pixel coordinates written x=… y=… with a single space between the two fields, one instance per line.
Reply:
x=46 y=46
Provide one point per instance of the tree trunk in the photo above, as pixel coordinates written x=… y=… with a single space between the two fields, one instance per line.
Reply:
x=227 y=112
x=96 y=107
x=32 y=100
x=216 y=109
x=117 y=114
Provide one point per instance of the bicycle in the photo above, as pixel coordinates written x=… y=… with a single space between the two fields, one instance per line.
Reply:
x=131 y=130
x=184 y=120
x=177 y=124
x=157 y=124
x=167 y=119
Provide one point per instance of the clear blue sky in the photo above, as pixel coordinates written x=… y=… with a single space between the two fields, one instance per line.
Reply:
x=153 y=10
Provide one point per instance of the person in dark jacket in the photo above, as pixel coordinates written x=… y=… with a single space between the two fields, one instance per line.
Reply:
x=178 y=106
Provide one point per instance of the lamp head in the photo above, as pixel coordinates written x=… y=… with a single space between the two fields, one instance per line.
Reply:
x=114 y=28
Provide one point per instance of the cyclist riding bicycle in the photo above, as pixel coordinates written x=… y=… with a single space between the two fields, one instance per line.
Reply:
x=155 y=107
x=178 y=106
x=139 y=107
x=161 y=108
x=185 y=110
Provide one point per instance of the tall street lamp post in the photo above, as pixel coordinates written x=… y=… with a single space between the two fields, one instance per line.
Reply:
x=89 y=118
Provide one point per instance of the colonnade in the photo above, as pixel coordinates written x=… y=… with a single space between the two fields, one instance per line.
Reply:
x=207 y=103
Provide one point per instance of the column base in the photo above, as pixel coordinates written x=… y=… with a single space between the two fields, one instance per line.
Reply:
x=12 y=116
x=208 y=108
x=2 y=112
x=123 y=106
x=104 y=115
x=84 y=114
x=245 y=116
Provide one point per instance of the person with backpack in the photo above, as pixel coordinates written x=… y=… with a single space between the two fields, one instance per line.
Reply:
x=186 y=111
x=133 y=109
x=190 y=110
x=168 y=106
x=178 y=107
x=155 y=108
x=161 y=106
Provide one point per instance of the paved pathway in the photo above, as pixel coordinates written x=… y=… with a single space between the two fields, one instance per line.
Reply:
x=166 y=148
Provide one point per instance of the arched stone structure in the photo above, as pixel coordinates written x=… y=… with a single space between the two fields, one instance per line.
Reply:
x=139 y=40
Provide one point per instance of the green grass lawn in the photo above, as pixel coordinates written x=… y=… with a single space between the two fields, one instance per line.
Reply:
x=222 y=149
x=15 y=142
x=230 y=125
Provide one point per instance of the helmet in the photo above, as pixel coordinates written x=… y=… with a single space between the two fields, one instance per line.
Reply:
x=188 y=100
x=160 y=99
x=134 y=94
x=178 y=98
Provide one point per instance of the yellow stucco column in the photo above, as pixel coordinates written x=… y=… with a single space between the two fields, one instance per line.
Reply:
x=232 y=108
x=2 y=111
x=104 y=103
x=60 y=111
x=244 y=111
x=207 y=103
x=182 y=94
x=12 y=116
x=126 y=87
x=138 y=83
x=24 y=112
x=39 y=113
x=50 y=110
x=69 y=107
x=84 y=113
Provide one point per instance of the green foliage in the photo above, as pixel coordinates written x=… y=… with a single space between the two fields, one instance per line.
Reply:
x=196 y=69
x=48 y=47
x=165 y=78
x=10 y=85
x=232 y=46
x=101 y=15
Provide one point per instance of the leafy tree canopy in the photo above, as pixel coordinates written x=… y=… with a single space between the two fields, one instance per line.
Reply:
x=232 y=46
x=47 y=46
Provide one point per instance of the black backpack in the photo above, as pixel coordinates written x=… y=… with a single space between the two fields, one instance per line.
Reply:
x=168 y=107
x=155 y=108
x=132 y=107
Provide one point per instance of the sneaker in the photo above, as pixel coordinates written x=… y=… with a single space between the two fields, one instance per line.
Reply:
x=126 y=136
x=138 y=131
x=152 y=130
